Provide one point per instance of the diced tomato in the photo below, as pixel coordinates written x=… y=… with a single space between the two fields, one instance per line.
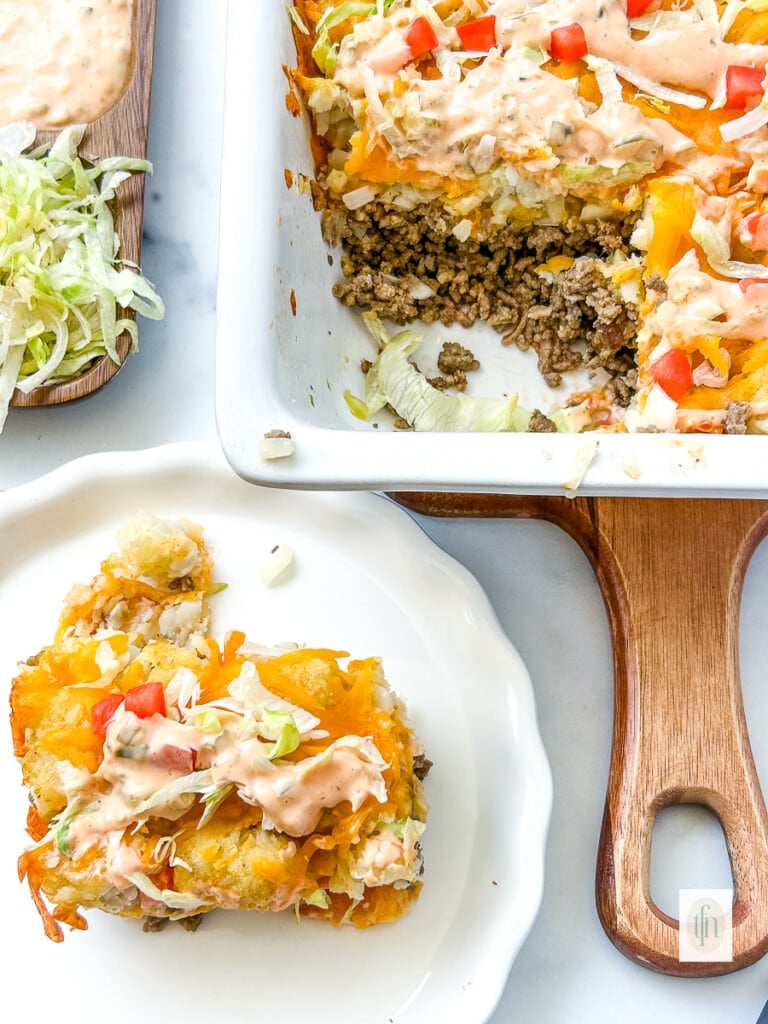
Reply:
x=178 y=759
x=673 y=373
x=568 y=42
x=478 y=35
x=757 y=226
x=420 y=37
x=637 y=7
x=146 y=700
x=747 y=283
x=742 y=85
x=103 y=713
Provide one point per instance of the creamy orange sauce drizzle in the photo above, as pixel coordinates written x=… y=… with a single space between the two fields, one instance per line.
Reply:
x=695 y=298
x=63 y=61
x=690 y=55
x=292 y=796
x=506 y=105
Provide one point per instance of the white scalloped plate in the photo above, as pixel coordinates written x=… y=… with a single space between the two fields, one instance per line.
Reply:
x=368 y=581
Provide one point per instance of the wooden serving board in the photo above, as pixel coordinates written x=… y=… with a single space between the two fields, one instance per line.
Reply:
x=679 y=732
x=122 y=131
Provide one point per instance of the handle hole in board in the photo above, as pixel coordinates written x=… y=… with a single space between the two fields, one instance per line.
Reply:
x=688 y=851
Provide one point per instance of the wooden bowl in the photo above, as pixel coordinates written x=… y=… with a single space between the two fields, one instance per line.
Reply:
x=122 y=131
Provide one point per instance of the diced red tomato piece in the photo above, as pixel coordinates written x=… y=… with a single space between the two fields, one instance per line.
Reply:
x=747 y=283
x=103 y=713
x=420 y=37
x=673 y=373
x=742 y=85
x=568 y=42
x=178 y=759
x=478 y=35
x=146 y=700
x=637 y=7
x=757 y=226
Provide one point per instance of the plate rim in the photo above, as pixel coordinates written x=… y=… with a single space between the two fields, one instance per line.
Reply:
x=536 y=795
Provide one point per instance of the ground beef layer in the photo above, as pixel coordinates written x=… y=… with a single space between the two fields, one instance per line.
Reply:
x=573 y=319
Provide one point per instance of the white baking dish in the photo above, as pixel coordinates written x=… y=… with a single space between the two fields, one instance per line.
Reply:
x=287 y=350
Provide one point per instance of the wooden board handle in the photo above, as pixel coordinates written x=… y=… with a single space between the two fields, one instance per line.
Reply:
x=671 y=573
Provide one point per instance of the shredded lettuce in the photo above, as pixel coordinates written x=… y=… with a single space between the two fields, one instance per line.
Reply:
x=657 y=104
x=61 y=279
x=279 y=726
x=393 y=380
x=748 y=123
x=212 y=800
x=407 y=830
x=249 y=690
x=295 y=17
x=196 y=782
x=205 y=719
x=183 y=689
x=663 y=92
x=324 y=52
x=572 y=420
x=63 y=825
x=718 y=251
x=315 y=898
x=172 y=899
x=580 y=174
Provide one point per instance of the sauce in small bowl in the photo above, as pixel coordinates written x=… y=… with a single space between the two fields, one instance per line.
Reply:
x=63 y=61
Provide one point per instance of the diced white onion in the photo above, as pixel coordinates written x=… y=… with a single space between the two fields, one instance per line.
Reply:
x=462 y=230
x=336 y=180
x=279 y=562
x=750 y=122
x=594 y=211
x=659 y=411
x=359 y=197
x=420 y=290
x=661 y=92
x=276 y=447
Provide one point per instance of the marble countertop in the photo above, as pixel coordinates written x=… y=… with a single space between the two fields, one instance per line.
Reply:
x=539 y=582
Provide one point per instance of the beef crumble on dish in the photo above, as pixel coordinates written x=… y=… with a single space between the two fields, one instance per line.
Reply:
x=587 y=179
